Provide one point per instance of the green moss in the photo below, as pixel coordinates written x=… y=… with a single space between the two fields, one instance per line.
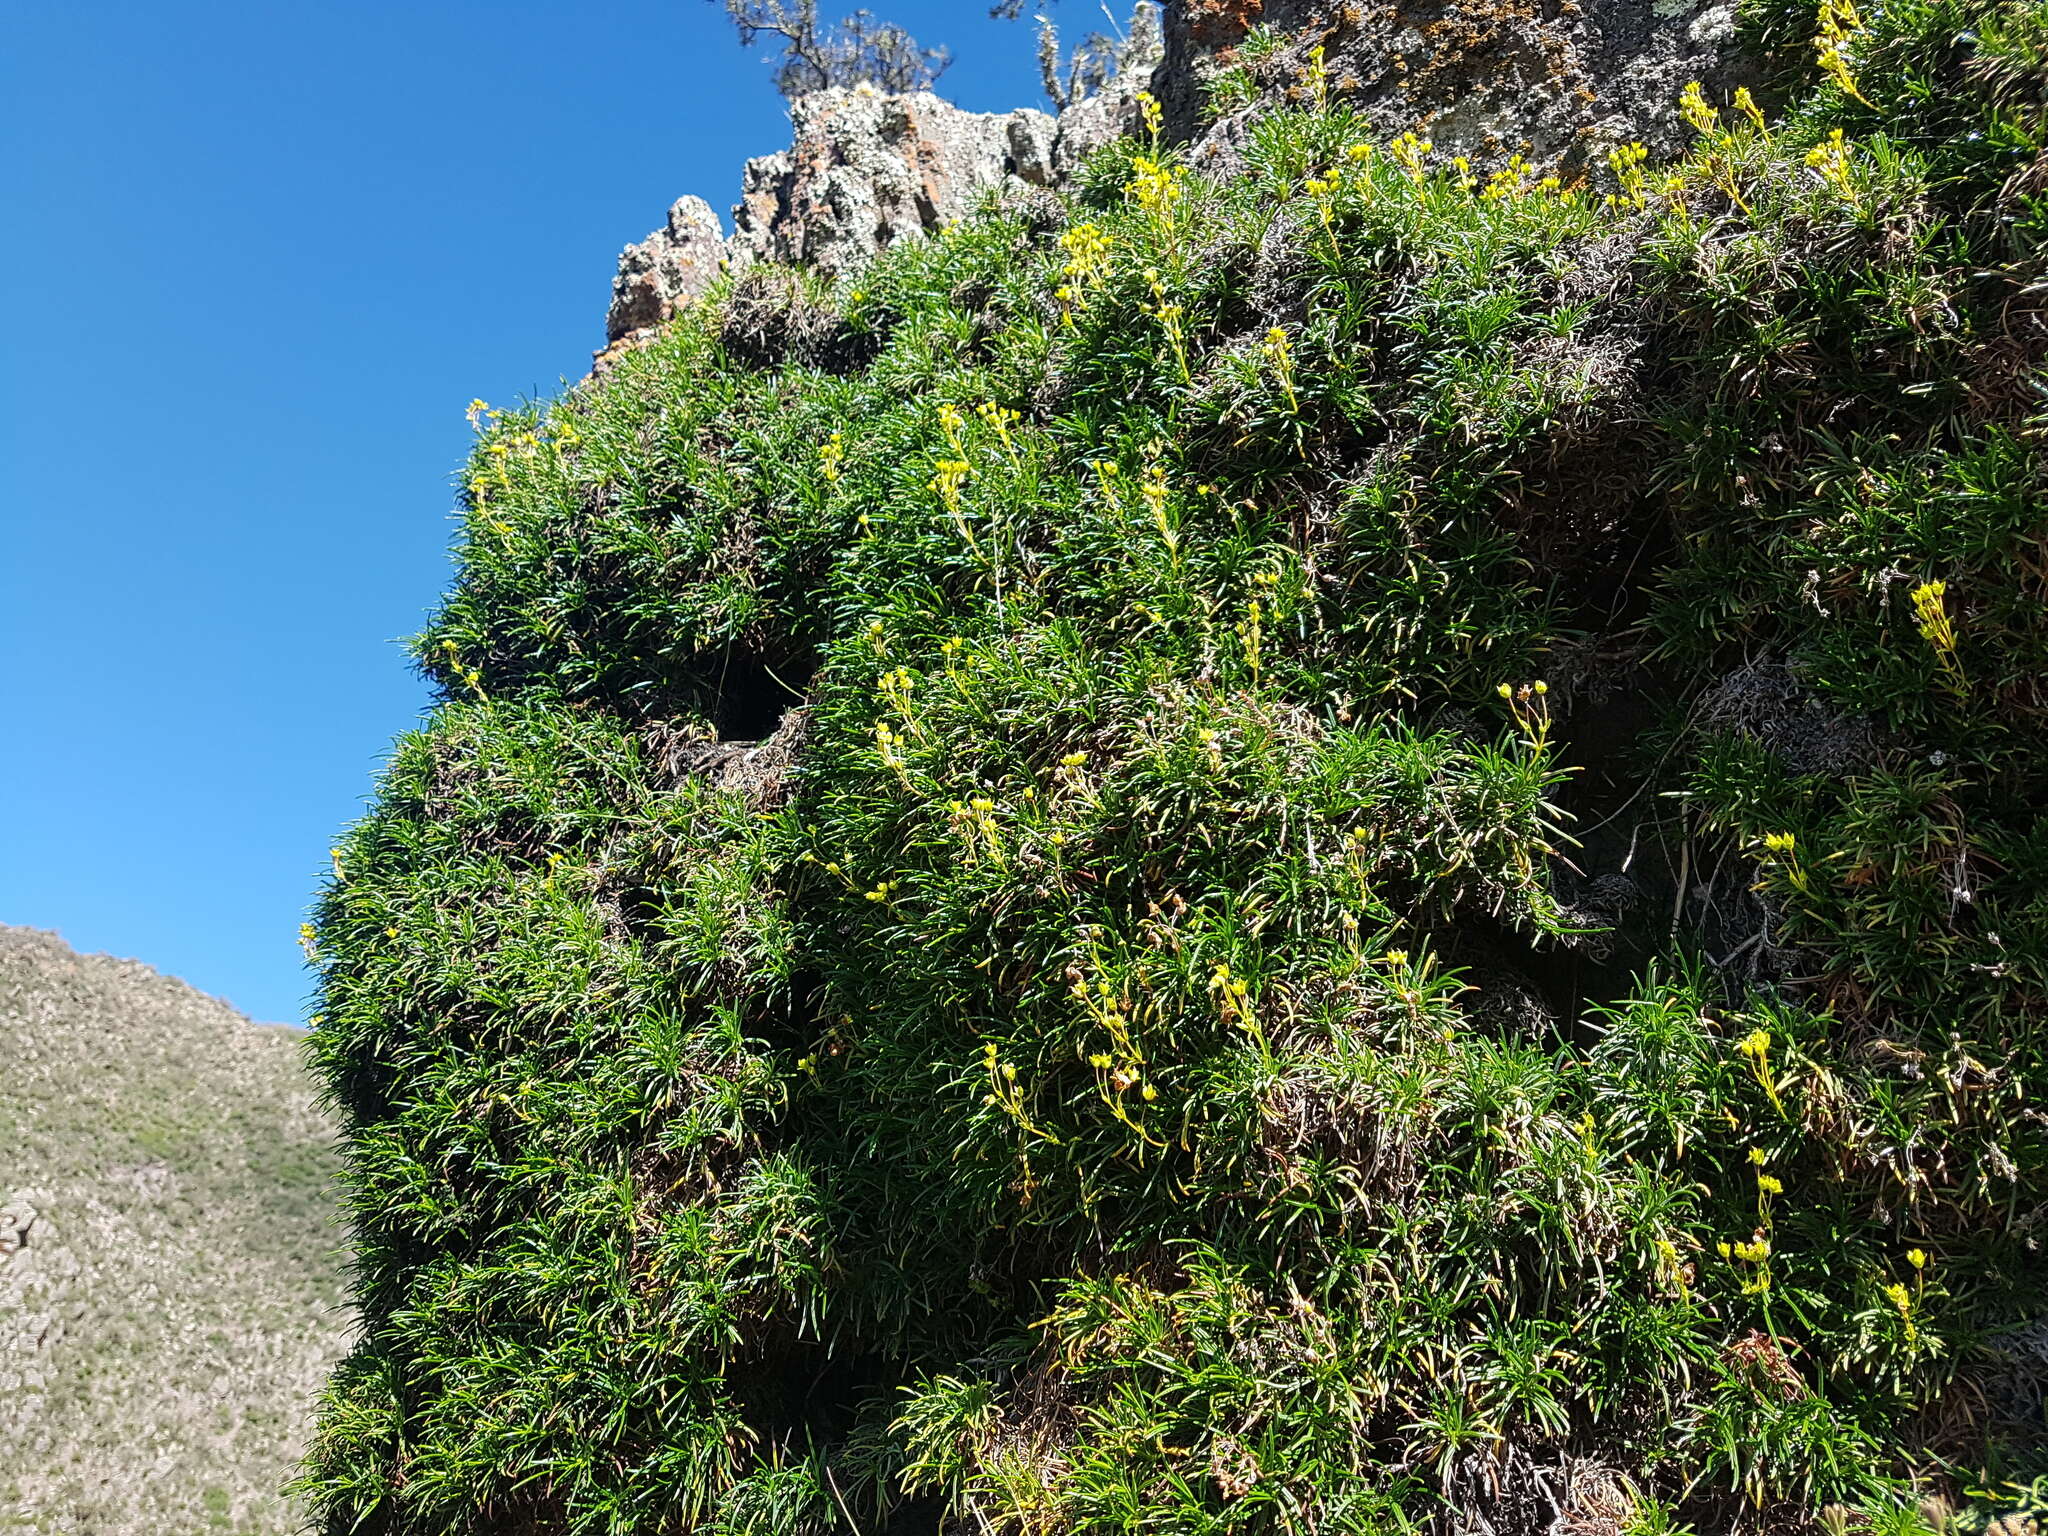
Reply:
x=1383 y=906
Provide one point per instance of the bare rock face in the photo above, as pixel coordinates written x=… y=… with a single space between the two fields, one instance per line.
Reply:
x=668 y=269
x=1558 y=82
x=865 y=171
x=868 y=170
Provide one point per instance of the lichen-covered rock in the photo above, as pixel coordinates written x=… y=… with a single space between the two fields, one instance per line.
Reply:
x=15 y=1220
x=867 y=170
x=669 y=268
x=864 y=171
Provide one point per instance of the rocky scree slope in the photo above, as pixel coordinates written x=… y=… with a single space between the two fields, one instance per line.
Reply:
x=1356 y=846
x=170 y=1266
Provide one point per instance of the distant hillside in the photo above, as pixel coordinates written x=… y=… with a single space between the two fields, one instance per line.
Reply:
x=170 y=1289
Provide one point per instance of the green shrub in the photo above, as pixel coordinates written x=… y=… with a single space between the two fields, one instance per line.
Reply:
x=1408 y=880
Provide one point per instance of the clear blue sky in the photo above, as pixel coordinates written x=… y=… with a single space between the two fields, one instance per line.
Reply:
x=261 y=256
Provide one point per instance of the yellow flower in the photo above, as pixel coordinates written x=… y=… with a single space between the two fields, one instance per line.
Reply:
x=1627 y=162
x=1153 y=114
x=1694 y=108
x=1830 y=158
x=1410 y=153
x=1838 y=23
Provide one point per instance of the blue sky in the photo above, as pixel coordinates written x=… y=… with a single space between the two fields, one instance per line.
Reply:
x=262 y=256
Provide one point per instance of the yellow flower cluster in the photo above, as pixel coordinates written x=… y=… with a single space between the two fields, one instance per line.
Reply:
x=949 y=476
x=1930 y=608
x=1169 y=315
x=1838 y=22
x=950 y=423
x=1160 y=190
x=1233 y=1001
x=1746 y=105
x=1899 y=1297
x=887 y=741
x=1706 y=119
x=1316 y=77
x=1755 y=1048
x=1153 y=490
x=1829 y=159
x=1627 y=162
x=1005 y=1094
x=999 y=419
x=472 y=678
x=1783 y=848
x=1694 y=107
x=1530 y=705
x=1087 y=251
x=1411 y=153
x=1153 y=114
x=1252 y=631
x=1280 y=354
x=1513 y=180
x=831 y=456
x=1120 y=1070
x=976 y=819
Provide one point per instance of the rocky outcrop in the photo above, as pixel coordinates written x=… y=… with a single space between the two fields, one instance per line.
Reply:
x=1558 y=82
x=668 y=269
x=865 y=170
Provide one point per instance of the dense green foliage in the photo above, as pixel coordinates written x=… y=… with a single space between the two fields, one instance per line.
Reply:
x=1412 y=885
